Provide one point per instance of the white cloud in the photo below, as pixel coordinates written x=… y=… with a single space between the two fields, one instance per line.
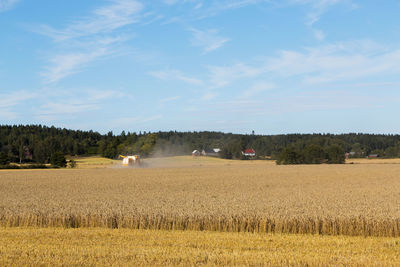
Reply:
x=8 y=102
x=7 y=4
x=103 y=20
x=6 y=115
x=88 y=39
x=169 y=99
x=323 y=64
x=339 y=62
x=256 y=89
x=209 y=95
x=174 y=75
x=14 y=98
x=63 y=108
x=319 y=35
x=318 y=8
x=171 y=2
x=64 y=65
x=298 y=102
x=221 y=76
x=96 y=95
x=203 y=9
x=66 y=104
x=209 y=40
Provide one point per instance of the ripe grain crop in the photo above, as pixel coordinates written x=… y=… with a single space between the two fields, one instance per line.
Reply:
x=126 y=247
x=354 y=199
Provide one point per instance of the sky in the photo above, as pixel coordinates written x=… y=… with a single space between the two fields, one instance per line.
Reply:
x=269 y=66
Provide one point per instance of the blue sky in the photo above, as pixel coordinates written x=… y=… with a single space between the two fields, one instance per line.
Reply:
x=272 y=66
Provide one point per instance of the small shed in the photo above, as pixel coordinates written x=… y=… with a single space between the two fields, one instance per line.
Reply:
x=196 y=153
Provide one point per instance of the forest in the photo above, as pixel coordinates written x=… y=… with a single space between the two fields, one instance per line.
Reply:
x=37 y=144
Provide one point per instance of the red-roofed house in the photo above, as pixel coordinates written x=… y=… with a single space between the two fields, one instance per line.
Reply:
x=249 y=152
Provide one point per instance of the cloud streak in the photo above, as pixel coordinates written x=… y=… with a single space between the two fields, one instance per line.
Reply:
x=66 y=103
x=208 y=40
x=88 y=39
x=338 y=62
x=103 y=20
x=7 y=4
x=64 y=65
x=317 y=8
x=170 y=75
x=14 y=98
x=8 y=101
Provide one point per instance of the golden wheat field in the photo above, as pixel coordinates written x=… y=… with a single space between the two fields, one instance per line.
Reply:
x=222 y=213
x=126 y=247
x=251 y=196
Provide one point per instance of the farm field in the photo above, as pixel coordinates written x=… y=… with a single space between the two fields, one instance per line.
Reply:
x=126 y=247
x=221 y=212
x=209 y=194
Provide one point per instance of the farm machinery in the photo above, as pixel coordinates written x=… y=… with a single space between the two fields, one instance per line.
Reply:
x=130 y=161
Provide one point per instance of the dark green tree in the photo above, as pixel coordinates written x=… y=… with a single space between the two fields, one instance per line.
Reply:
x=313 y=154
x=289 y=156
x=336 y=154
x=57 y=159
x=148 y=144
x=4 y=160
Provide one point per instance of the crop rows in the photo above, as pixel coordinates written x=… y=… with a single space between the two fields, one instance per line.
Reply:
x=361 y=200
x=122 y=247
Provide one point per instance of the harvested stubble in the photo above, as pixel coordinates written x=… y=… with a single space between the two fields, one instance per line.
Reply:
x=246 y=197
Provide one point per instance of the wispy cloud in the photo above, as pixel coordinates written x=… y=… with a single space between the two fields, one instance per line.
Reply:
x=64 y=65
x=256 y=89
x=319 y=35
x=88 y=39
x=7 y=4
x=171 y=2
x=317 y=8
x=204 y=9
x=12 y=99
x=174 y=75
x=103 y=20
x=97 y=95
x=209 y=95
x=213 y=8
x=299 y=102
x=221 y=76
x=169 y=99
x=322 y=64
x=8 y=101
x=63 y=108
x=338 y=62
x=66 y=104
x=208 y=40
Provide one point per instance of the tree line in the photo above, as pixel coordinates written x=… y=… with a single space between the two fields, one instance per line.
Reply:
x=312 y=154
x=37 y=144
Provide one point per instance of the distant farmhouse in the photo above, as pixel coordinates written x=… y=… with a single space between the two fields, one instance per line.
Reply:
x=211 y=152
x=249 y=152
